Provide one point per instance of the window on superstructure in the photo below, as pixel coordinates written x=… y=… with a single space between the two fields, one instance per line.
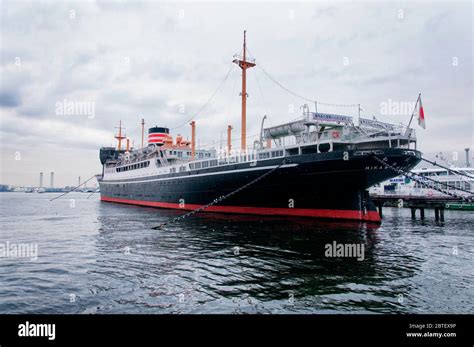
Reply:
x=205 y=164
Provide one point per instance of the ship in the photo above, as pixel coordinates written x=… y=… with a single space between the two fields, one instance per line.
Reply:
x=459 y=180
x=433 y=183
x=320 y=165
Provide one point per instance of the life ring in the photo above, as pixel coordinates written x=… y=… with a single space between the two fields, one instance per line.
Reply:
x=430 y=193
x=335 y=135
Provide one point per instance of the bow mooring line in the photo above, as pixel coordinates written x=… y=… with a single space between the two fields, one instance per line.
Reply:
x=221 y=198
x=73 y=189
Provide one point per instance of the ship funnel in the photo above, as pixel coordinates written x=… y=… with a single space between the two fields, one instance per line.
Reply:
x=158 y=135
x=229 y=139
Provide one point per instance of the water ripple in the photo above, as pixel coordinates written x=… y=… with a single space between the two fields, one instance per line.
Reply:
x=105 y=258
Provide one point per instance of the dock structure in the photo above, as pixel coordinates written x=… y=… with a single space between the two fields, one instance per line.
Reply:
x=436 y=203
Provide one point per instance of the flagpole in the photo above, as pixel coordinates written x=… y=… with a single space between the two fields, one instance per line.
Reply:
x=413 y=113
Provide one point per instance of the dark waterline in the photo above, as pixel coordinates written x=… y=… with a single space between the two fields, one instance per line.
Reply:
x=98 y=257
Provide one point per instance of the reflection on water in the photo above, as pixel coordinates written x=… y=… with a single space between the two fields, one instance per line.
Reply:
x=105 y=258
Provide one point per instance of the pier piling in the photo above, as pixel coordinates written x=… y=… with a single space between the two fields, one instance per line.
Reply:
x=415 y=203
x=379 y=207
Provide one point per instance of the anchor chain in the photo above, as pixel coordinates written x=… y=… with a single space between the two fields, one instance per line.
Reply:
x=221 y=198
x=415 y=176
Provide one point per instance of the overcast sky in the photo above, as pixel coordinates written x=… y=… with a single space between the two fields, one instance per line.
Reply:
x=163 y=60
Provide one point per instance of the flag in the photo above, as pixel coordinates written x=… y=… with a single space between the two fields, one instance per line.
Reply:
x=421 y=114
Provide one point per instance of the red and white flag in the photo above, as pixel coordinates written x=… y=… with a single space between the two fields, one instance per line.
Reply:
x=421 y=114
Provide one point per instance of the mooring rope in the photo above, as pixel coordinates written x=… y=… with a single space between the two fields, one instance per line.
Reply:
x=446 y=168
x=413 y=176
x=221 y=198
x=73 y=189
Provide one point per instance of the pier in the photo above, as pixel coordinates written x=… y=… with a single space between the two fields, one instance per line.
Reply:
x=414 y=203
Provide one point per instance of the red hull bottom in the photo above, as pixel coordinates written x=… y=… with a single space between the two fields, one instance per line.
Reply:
x=370 y=216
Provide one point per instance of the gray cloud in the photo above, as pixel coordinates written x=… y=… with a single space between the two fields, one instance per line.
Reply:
x=148 y=59
x=9 y=99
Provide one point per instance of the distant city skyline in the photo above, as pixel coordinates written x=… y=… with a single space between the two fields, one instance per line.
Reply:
x=71 y=71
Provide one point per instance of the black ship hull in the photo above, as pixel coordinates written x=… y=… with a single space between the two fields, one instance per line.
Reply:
x=322 y=185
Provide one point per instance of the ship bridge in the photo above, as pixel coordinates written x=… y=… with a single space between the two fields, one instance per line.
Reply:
x=322 y=132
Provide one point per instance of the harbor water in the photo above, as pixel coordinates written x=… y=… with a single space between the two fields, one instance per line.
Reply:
x=94 y=257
